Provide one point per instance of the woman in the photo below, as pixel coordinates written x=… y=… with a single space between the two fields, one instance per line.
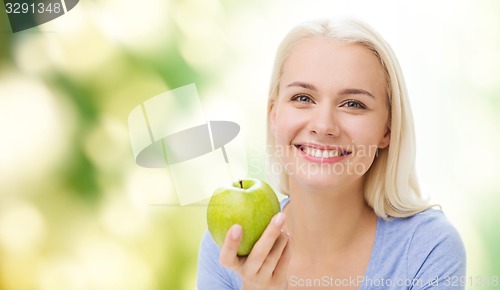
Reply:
x=340 y=128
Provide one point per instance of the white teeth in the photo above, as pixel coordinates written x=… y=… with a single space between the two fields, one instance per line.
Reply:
x=321 y=153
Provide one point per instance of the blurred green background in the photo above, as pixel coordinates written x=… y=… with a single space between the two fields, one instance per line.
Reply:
x=77 y=213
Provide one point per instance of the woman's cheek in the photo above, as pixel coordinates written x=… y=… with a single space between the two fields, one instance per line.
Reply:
x=286 y=124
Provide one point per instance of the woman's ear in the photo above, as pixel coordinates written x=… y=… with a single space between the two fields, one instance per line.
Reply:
x=272 y=117
x=386 y=140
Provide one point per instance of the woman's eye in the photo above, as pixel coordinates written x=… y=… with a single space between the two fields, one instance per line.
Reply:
x=354 y=105
x=302 y=98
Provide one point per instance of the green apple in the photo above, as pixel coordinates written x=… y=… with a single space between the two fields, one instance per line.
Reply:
x=250 y=202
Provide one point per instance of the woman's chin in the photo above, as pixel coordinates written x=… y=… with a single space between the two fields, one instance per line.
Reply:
x=318 y=182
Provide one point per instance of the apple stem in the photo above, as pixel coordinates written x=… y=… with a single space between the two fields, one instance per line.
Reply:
x=241 y=183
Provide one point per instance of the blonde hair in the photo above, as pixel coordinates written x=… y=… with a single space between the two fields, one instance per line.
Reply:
x=391 y=186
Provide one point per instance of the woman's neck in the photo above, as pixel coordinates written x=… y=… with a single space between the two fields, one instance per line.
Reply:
x=327 y=222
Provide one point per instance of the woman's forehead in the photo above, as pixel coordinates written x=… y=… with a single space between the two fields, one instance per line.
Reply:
x=321 y=61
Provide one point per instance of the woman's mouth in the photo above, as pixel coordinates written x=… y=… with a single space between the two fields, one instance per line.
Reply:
x=322 y=153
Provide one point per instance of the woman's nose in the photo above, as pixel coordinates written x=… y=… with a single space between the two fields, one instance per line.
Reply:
x=324 y=123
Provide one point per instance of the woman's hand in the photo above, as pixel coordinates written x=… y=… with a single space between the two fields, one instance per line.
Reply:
x=266 y=265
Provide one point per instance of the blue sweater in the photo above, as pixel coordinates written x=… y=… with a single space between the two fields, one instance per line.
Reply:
x=420 y=252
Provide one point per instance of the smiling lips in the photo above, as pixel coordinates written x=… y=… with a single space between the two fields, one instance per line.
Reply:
x=317 y=153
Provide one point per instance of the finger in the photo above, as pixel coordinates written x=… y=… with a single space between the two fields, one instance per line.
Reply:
x=228 y=254
x=281 y=269
x=265 y=243
x=274 y=256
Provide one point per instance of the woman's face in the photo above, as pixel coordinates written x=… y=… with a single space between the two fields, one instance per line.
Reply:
x=331 y=113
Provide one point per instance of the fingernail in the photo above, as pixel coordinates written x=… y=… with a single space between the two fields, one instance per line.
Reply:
x=279 y=219
x=236 y=232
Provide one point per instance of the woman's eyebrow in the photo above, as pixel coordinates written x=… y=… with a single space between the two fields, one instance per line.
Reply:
x=348 y=91
x=355 y=92
x=302 y=85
